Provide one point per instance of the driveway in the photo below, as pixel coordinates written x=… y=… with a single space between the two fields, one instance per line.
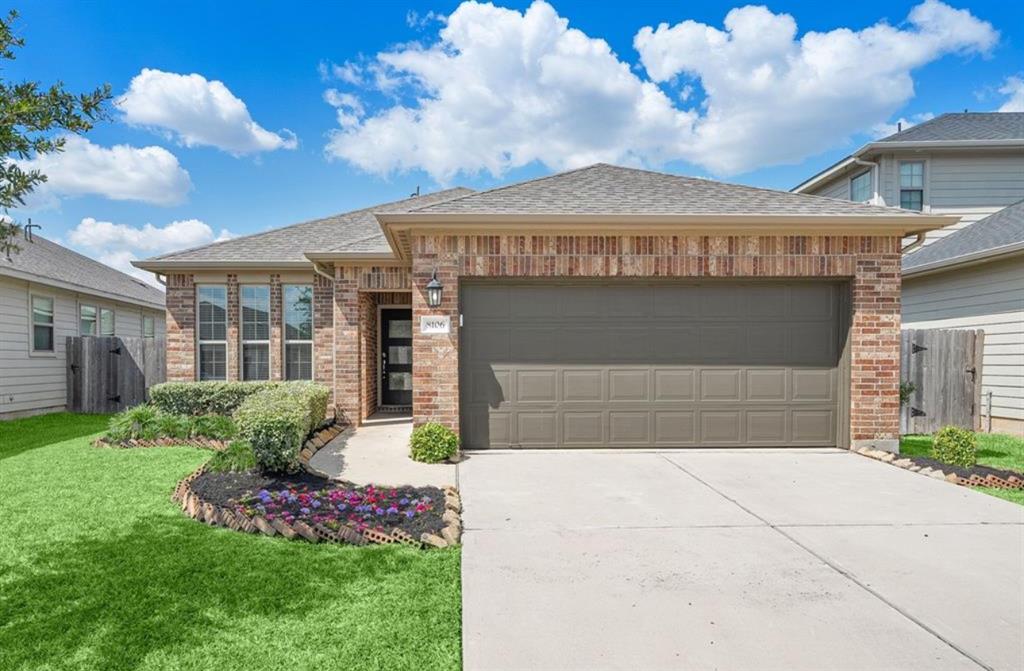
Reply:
x=734 y=560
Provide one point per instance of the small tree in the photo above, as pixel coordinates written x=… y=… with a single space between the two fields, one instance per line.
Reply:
x=31 y=118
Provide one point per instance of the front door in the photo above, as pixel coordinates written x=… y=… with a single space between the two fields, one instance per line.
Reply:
x=396 y=357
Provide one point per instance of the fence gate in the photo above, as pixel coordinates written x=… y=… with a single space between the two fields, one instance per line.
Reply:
x=944 y=365
x=109 y=374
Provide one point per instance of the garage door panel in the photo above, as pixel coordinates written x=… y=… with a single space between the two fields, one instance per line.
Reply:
x=729 y=364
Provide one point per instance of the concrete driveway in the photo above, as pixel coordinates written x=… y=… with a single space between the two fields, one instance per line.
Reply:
x=734 y=560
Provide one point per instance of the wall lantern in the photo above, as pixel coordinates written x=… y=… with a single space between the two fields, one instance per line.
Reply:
x=434 y=289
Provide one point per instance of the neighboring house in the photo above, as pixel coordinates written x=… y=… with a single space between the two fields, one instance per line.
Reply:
x=600 y=307
x=975 y=279
x=48 y=292
x=971 y=165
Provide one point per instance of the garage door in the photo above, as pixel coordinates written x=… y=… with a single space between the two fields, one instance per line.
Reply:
x=650 y=365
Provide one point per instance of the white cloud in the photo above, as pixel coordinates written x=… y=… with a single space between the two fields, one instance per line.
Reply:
x=117 y=245
x=887 y=129
x=147 y=174
x=350 y=73
x=1014 y=90
x=500 y=89
x=197 y=112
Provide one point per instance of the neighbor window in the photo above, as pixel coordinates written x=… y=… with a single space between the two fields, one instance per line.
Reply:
x=255 y=302
x=42 y=324
x=213 y=332
x=148 y=326
x=298 y=332
x=860 y=187
x=106 y=322
x=86 y=320
x=912 y=185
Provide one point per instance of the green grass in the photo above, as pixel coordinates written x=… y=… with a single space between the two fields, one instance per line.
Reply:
x=99 y=570
x=994 y=449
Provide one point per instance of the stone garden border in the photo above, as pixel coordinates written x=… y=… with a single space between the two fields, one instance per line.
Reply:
x=204 y=511
x=202 y=443
x=949 y=474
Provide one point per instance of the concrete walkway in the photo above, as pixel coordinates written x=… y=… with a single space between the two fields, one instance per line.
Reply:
x=734 y=560
x=378 y=453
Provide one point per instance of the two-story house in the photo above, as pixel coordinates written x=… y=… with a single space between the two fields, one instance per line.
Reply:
x=970 y=275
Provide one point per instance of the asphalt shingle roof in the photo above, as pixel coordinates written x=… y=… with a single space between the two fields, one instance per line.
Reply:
x=967 y=126
x=611 y=190
x=356 y=231
x=1002 y=228
x=51 y=262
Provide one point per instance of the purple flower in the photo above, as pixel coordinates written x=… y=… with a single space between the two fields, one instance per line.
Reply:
x=403 y=501
x=316 y=504
x=304 y=511
x=379 y=511
x=342 y=506
x=392 y=510
x=410 y=513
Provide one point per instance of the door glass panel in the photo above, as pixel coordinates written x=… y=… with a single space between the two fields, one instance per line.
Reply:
x=399 y=354
x=399 y=381
x=399 y=328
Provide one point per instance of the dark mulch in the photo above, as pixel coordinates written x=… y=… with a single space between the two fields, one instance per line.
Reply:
x=978 y=469
x=313 y=499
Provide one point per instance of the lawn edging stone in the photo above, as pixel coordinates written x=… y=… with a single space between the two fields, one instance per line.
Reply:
x=978 y=476
x=201 y=443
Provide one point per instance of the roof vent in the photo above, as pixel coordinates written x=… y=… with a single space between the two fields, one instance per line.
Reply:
x=899 y=126
x=28 y=230
x=416 y=193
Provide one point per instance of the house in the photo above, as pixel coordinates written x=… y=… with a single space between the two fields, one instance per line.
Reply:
x=600 y=307
x=968 y=275
x=48 y=292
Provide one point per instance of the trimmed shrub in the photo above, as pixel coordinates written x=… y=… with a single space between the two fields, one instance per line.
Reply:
x=235 y=458
x=215 y=427
x=204 y=398
x=139 y=423
x=956 y=446
x=277 y=420
x=432 y=442
x=173 y=426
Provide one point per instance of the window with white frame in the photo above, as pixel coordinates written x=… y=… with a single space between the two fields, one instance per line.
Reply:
x=255 y=302
x=213 y=331
x=860 y=187
x=42 y=324
x=106 y=322
x=298 y=332
x=148 y=326
x=87 y=320
x=912 y=185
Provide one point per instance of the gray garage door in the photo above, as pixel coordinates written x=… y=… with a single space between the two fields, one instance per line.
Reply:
x=650 y=365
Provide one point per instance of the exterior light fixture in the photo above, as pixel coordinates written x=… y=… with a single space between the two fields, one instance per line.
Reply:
x=434 y=289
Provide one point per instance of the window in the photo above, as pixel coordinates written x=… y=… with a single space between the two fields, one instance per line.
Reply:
x=148 y=326
x=213 y=332
x=86 y=320
x=912 y=185
x=42 y=324
x=106 y=322
x=860 y=187
x=298 y=332
x=255 y=302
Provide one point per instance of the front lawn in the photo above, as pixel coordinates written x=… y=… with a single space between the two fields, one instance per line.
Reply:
x=99 y=570
x=994 y=449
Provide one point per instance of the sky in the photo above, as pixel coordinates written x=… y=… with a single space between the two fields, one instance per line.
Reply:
x=232 y=119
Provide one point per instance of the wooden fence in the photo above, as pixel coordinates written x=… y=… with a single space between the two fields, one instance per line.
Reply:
x=109 y=374
x=944 y=365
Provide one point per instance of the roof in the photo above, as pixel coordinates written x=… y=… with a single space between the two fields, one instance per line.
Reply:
x=46 y=262
x=604 y=189
x=1001 y=232
x=952 y=130
x=356 y=232
x=964 y=127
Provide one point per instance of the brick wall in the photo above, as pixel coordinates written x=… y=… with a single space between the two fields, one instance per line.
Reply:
x=870 y=262
x=234 y=315
x=368 y=348
x=181 y=328
x=347 y=355
x=276 y=328
x=323 y=333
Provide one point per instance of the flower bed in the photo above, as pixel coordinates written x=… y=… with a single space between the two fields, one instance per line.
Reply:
x=974 y=476
x=306 y=506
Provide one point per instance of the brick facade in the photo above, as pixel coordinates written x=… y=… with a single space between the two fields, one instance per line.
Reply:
x=276 y=328
x=348 y=359
x=181 y=328
x=234 y=347
x=871 y=263
x=323 y=333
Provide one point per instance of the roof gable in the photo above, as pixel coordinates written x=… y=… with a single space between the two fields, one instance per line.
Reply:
x=1001 y=230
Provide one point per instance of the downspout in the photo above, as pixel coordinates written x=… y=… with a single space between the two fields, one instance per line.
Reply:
x=915 y=244
x=320 y=272
x=874 y=177
x=162 y=279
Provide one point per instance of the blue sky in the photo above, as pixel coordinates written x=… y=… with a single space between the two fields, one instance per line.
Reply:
x=360 y=103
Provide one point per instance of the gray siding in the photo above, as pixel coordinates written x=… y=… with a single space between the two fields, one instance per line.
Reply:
x=988 y=297
x=32 y=383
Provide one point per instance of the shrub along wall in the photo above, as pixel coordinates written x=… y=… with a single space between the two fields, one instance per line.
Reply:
x=203 y=398
x=277 y=421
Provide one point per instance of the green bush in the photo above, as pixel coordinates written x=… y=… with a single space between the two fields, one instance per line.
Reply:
x=277 y=420
x=956 y=446
x=214 y=427
x=236 y=457
x=433 y=442
x=139 y=423
x=204 y=398
x=173 y=426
